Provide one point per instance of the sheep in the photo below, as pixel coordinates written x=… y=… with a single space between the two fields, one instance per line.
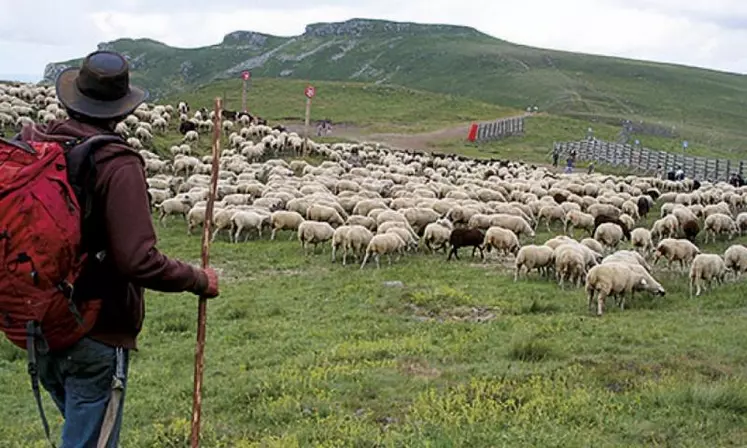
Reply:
x=665 y=227
x=735 y=259
x=356 y=242
x=173 y=206
x=592 y=244
x=578 y=219
x=640 y=239
x=718 y=223
x=338 y=239
x=609 y=234
x=516 y=224
x=502 y=240
x=436 y=234
x=385 y=243
x=627 y=256
x=191 y=136
x=533 y=257
x=465 y=237
x=314 y=232
x=706 y=268
x=570 y=263
x=285 y=220
x=135 y=143
x=680 y=250
x=360 y=220
x=616 y=278
x=550 y=213
x=603 y=219
x=741 y=222
x=691 y=228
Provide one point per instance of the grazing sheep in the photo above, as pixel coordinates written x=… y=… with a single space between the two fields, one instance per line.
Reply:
x=706 y=268
x=603 y=219
x=466 y=237
x=618 y=279
x=384 y=244
x=680 y=250
x=609 y=234
x=570 y=264
x=640 y=239
x=719 y=223
x=314 y=232
x=533 y=257
x=436 y=234
x=578 y=219
x=665 y=228
x=173 y=206
x=626 y=256
x=285 y=220
x=691 y=228
x=735 y=259
x=191 y=136
x=356 y=242
x=742 y=222
x=360 y=220
x=338 y=239
x=593 y=244
x=502 y=240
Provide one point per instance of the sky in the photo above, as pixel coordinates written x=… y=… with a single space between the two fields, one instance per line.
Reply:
x=710 y=34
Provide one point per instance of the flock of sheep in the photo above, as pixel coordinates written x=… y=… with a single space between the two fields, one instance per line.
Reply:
x=368 y=200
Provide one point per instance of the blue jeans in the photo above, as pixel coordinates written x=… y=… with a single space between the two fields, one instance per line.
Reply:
x=79 y=379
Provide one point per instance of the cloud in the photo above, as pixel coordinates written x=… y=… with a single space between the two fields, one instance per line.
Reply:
x=706 y=34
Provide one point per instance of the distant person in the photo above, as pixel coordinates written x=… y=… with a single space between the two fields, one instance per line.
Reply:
x=591 y=168
x=569 y=165
x=555 y=157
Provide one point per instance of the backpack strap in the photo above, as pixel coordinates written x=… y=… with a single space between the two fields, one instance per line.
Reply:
x=81 y=173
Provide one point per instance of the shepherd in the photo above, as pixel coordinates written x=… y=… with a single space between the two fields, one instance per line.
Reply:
x=86 y=374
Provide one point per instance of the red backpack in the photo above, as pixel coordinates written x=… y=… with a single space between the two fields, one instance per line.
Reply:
x=43 y=200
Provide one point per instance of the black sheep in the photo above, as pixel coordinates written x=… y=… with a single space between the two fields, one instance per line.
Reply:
x=601 y=219
x=643 y=207
x=465 y=237
x=559 y=198
x=696 y=184
x=691 y=229
x=186 y=126
x=653 y=194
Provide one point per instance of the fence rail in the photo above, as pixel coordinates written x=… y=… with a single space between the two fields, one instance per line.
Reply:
x=648 y=161
x=496 y=130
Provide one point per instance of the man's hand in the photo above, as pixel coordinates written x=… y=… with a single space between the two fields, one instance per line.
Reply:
x=211 y=290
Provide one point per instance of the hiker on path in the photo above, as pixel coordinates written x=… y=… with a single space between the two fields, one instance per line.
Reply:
x=555 y=157
x=121 y=242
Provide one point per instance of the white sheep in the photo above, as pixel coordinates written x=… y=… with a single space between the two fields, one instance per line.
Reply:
x=436 y=234
x=383 y=244
x=720 y=223
x=318 y=212
x=570 y=263
x=577 y=219
x=360 y=220
x=503 y=240
x=533 y=257
x=173 y=206
x=314 y=232
x=735 y=259
x=680 y=250
x=618 y=279
x=356 y=242
x=609 y=234
x=706 y=268
x=285 y=220
x=640 y=239
x=191 y=136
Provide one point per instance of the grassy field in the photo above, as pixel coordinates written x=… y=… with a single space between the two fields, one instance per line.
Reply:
x=303 y=352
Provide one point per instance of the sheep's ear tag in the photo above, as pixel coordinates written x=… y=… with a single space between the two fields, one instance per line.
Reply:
x=643 y=281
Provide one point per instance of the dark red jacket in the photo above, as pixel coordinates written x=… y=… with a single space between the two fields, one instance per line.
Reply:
x=124 y=230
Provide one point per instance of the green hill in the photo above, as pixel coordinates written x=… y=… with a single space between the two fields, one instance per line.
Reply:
x=704 y=104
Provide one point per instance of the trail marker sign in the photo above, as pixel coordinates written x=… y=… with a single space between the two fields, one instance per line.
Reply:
x=310 y=91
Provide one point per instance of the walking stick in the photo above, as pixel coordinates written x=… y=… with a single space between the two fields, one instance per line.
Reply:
x=202 y=310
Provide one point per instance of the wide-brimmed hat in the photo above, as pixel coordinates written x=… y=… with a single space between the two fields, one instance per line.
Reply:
x=100 y=88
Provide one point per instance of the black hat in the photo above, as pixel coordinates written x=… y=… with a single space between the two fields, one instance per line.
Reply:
x=100 y=88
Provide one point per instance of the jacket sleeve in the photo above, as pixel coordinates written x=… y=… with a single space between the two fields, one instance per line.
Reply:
x=131 y=238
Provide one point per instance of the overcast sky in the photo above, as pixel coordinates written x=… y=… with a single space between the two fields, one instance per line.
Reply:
x=702 y=33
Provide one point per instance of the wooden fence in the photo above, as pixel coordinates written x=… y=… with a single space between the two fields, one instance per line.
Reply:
x=495 y=130
x=646 y=160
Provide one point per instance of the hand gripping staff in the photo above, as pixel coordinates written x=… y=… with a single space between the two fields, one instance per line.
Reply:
x=202 y=310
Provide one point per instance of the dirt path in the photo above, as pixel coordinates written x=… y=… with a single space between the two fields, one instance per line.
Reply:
x=420 y=141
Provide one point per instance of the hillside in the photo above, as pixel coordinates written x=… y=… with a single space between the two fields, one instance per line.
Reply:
x=460 y=61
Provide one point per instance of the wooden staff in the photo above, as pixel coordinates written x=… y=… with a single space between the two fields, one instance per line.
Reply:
x=202 y=310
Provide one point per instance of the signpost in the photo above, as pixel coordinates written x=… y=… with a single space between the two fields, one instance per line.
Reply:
x=246 y=75
x=309 y=92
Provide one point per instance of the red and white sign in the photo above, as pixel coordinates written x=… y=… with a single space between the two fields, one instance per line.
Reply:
x=310 y=91
x=246 y=74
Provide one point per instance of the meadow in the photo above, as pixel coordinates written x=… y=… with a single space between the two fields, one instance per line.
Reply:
x=303 y=352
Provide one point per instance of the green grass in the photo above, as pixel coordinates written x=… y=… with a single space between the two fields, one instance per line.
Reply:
x=373 y=107
x=704 y=105
x=303 y=352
